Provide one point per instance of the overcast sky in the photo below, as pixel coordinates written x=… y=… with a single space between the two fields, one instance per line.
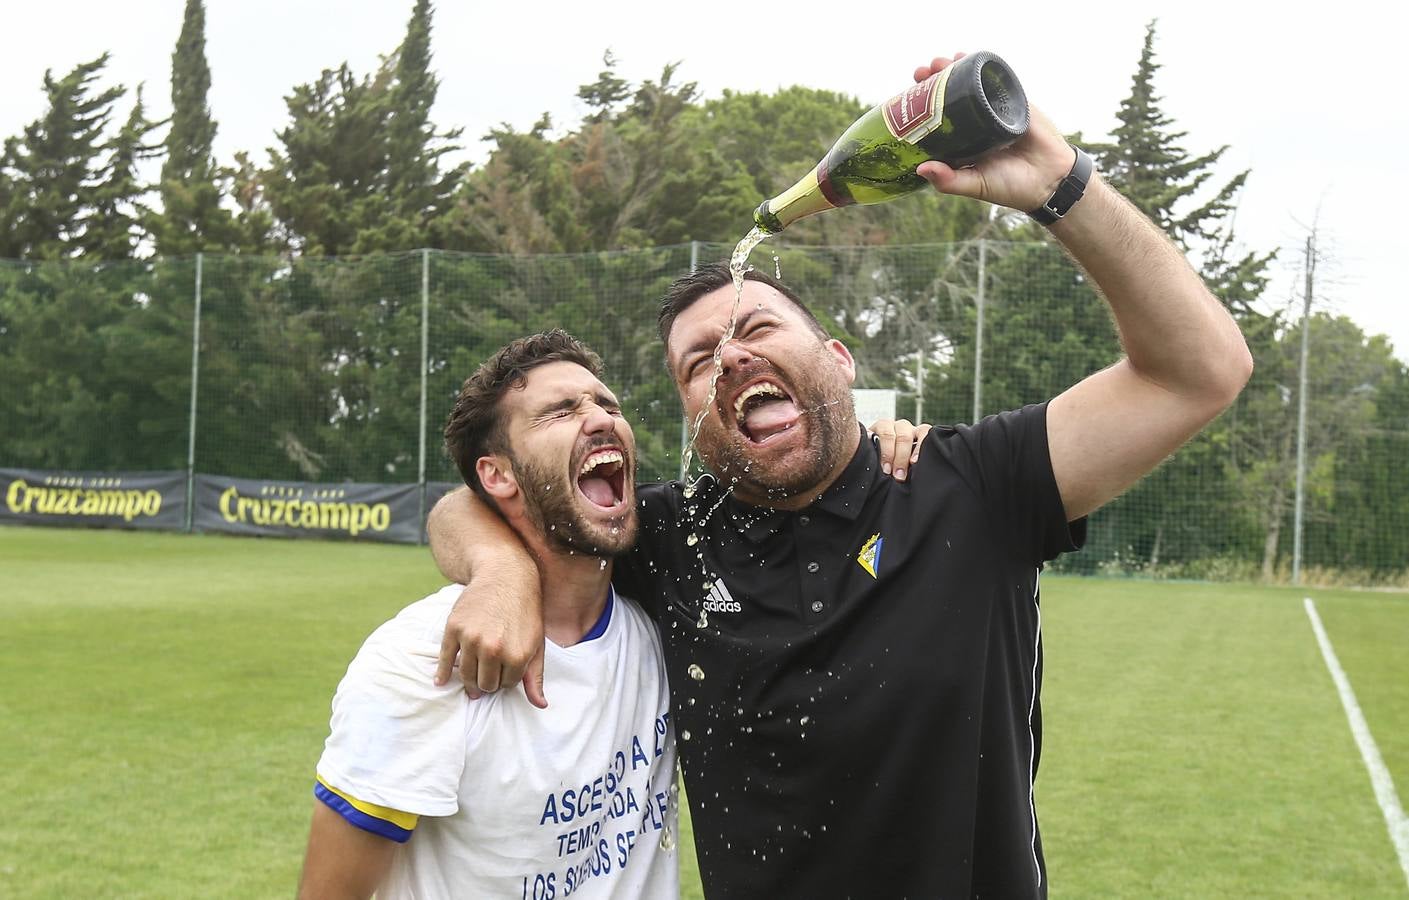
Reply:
x=1312 y=103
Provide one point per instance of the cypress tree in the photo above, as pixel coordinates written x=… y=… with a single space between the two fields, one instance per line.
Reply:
x=419 y=192
x=192 y=216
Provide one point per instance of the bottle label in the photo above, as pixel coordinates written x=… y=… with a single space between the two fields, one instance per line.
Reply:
x=918 y=111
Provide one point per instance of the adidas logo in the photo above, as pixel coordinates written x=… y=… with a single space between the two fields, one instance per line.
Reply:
x=719 y=600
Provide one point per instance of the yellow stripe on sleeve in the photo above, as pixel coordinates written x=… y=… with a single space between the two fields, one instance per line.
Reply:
x=385 y=813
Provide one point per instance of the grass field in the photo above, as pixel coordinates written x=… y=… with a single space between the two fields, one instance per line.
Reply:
x=163 y=699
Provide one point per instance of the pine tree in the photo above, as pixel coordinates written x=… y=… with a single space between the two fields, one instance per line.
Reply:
x=1147 y=163
x=114 y=222
x=192 y=216
x=324 y=185
x=46 y=174
x=1162 y=519
x=359 y=169
x=605 y=94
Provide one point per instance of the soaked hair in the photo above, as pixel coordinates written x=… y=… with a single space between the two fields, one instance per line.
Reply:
x=476 y=426
x=685 y=290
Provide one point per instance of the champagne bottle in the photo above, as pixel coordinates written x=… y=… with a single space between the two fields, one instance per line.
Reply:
x=957 y=115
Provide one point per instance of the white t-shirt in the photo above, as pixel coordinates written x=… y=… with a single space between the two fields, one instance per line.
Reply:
x=517 y=802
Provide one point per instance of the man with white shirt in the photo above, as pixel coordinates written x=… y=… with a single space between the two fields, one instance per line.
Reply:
x=424 y=793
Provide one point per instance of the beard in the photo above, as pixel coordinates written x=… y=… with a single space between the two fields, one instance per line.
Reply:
x=828 y=414
x=552 y=505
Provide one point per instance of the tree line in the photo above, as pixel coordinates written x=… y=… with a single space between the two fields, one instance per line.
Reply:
x=310 y=347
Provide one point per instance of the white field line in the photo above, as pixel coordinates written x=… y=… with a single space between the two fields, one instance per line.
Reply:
x=1380 y=778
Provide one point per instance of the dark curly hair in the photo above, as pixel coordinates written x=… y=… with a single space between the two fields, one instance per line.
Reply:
x=475 y=427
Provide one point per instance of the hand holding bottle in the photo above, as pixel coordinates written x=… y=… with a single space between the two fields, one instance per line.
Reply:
x=960 y=114
x=1020 y=176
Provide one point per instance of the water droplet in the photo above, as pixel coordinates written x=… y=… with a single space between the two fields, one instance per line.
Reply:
x=685 y=736
x=695 y=672
x=693 y=539
x=803 y=720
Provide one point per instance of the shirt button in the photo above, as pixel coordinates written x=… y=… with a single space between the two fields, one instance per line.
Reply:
x=804 y=520
x=813 y=567
x=816 y=606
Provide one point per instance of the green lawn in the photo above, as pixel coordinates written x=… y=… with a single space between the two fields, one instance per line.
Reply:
x=163 y=699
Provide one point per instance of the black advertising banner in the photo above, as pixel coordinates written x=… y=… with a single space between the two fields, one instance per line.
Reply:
x=153 y=500
x=376 y=512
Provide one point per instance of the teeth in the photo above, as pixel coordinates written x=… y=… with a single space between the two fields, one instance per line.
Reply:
x=763 y=387
x=600 y=459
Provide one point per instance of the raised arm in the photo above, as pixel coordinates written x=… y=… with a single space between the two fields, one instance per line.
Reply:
x=496 y=627
x=1185 y=359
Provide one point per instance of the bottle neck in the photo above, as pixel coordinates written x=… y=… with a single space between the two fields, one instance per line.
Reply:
x=802 y=199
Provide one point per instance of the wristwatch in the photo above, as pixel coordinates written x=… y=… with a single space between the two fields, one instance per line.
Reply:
x=1068 y=192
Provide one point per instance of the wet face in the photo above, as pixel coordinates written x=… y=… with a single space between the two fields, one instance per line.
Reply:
x=574 y=458
x=781 y=422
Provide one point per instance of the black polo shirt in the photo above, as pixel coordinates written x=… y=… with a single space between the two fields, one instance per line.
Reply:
x=855 y=686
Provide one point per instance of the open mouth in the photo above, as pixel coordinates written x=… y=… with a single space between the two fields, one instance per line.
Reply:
x=763 y=410
x=602 y=477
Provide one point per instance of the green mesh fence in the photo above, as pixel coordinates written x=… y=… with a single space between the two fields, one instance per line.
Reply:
x=318 y=370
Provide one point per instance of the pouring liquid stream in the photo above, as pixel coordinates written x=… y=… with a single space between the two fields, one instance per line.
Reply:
x=738 y=265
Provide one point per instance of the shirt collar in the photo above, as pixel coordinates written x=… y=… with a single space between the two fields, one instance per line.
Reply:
x=856 y=483
x=844 y=498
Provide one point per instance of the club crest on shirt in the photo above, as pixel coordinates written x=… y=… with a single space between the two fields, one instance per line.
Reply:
x=870 y=556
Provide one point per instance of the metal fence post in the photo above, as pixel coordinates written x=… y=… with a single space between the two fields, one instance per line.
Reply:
x=684 y=419
x=978 y=328
x=195 y=376
x=920 y=384
x=1301 y=412
x=425 y=367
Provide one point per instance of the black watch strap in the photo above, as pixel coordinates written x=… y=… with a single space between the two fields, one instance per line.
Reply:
x=1068 y=192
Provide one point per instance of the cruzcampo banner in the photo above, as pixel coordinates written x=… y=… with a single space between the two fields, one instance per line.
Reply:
x=155 y=500
x=376 y=512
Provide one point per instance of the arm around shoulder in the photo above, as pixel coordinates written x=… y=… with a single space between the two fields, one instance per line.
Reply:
x=496 y=627
x=467 y=538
